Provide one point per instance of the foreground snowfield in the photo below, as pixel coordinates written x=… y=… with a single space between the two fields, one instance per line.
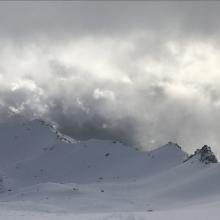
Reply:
x=49 y=176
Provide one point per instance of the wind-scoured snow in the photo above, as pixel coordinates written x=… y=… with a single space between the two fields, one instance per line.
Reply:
x=47 y=175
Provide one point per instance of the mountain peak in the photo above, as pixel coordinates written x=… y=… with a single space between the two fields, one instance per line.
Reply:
x=204 y=155
x=171 y=152
x=167 y=147
x=174 y=144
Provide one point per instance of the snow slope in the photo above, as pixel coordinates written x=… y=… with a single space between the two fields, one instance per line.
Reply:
x=47 y=175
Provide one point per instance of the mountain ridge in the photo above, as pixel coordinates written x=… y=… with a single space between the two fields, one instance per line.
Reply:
x=38 y=166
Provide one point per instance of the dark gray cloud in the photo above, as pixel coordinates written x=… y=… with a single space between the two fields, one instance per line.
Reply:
x=142 y=72
x=59 y=19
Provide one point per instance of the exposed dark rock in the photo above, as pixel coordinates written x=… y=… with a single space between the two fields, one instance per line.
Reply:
x=205 y=155
x=107 y=154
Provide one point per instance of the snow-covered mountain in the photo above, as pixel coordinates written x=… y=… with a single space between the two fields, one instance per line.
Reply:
x=46 y=174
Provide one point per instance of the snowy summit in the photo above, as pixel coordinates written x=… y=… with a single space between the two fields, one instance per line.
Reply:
x=45 y=173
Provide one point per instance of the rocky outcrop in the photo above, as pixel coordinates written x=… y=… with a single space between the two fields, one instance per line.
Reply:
x=204 y=155
x=60 y=136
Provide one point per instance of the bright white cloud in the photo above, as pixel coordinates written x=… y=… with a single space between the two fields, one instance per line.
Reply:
x=117 y=87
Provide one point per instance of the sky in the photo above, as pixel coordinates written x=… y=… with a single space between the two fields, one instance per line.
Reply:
x=141 y=72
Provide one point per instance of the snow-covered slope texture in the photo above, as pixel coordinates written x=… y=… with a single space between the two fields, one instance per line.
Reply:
x=35 y=152
x=23 y=141
x=44 y=171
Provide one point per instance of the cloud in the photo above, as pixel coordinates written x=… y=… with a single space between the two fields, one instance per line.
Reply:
x=61 y=19
x=144 y=73
x=103 y=94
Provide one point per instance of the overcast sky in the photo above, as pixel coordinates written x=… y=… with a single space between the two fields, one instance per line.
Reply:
x=142 y=72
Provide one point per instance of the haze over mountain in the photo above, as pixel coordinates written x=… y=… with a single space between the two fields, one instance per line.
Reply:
x=144 y=73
